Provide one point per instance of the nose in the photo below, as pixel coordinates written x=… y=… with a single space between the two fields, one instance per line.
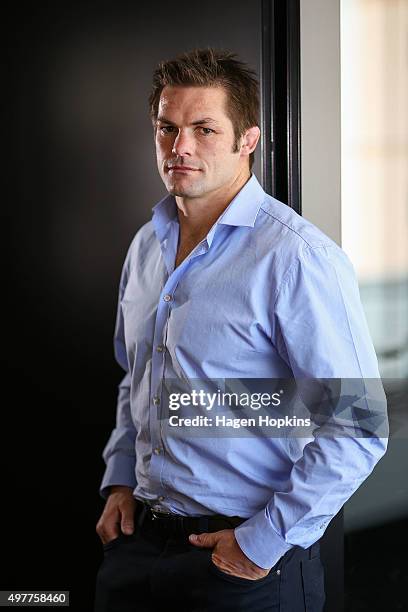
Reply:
x=183 y=144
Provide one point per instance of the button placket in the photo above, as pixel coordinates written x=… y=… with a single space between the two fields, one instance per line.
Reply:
x=166 y=301
x=157 y=373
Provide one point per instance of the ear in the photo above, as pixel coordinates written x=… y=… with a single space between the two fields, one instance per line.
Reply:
x=249 y=140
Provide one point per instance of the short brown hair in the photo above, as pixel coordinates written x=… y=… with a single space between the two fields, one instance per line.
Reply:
x=210 y=68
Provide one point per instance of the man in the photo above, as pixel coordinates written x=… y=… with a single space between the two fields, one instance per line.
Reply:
x=224 y=283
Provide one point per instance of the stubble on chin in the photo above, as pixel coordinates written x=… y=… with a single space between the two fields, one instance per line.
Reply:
x=183 y=192
x=174 y=191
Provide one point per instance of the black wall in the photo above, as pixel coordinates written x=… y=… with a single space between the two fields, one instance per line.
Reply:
x=84 y=181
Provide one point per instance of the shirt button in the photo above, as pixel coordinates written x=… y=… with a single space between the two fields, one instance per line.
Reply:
x=159 y=348
x=156 y=400
x=161 y=498
x=167 y=297
x=157 y=451
x=278 y=572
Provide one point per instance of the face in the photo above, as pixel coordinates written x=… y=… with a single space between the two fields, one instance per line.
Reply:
x=195 y=142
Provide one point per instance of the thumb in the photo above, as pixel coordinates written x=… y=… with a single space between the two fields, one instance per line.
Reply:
x=126 y=523
x=206 y=540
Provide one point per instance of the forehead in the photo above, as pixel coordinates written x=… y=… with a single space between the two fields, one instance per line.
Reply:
x=193 y=102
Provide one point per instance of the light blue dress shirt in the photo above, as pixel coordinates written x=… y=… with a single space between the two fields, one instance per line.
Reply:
x=265 y=295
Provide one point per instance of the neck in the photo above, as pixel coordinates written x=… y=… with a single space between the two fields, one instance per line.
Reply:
x=197 y=215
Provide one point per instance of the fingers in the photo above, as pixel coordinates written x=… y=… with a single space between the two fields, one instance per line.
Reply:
x=206 y=540
x=107 y=528
x=127 y=521
x=116 y=517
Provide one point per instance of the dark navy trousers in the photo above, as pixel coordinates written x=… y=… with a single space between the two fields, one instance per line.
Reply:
x=149 y=571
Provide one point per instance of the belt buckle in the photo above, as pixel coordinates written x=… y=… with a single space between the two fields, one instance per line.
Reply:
x=158 y=514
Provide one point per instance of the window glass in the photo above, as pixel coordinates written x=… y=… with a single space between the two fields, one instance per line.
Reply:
x=374 y=83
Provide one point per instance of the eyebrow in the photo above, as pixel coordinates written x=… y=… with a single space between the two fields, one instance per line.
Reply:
x=197 y=122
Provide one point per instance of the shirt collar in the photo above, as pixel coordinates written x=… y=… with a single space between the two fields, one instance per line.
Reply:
x=164 y=212
x=244 y=208
x=241 y=211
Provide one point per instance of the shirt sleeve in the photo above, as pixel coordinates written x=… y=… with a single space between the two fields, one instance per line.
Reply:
x=119 y=453
x=321 y=332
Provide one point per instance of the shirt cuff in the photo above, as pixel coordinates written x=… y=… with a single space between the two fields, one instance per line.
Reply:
x=120 y=470
x=260 y=542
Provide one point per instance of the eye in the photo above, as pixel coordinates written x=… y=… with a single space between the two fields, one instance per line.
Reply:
x=206 y=131
x=167 y=129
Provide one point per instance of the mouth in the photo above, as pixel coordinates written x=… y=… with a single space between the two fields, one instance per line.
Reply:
x=182 y=169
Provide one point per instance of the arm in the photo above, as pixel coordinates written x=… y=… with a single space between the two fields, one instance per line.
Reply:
x=321 y=332
x=119 y=479
x=119 y=452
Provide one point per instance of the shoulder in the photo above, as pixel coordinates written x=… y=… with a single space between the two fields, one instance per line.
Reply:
x=140 y=244
x=291 y=242
x=288 y=227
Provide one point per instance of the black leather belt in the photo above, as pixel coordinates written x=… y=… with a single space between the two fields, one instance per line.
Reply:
x=176 y=524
